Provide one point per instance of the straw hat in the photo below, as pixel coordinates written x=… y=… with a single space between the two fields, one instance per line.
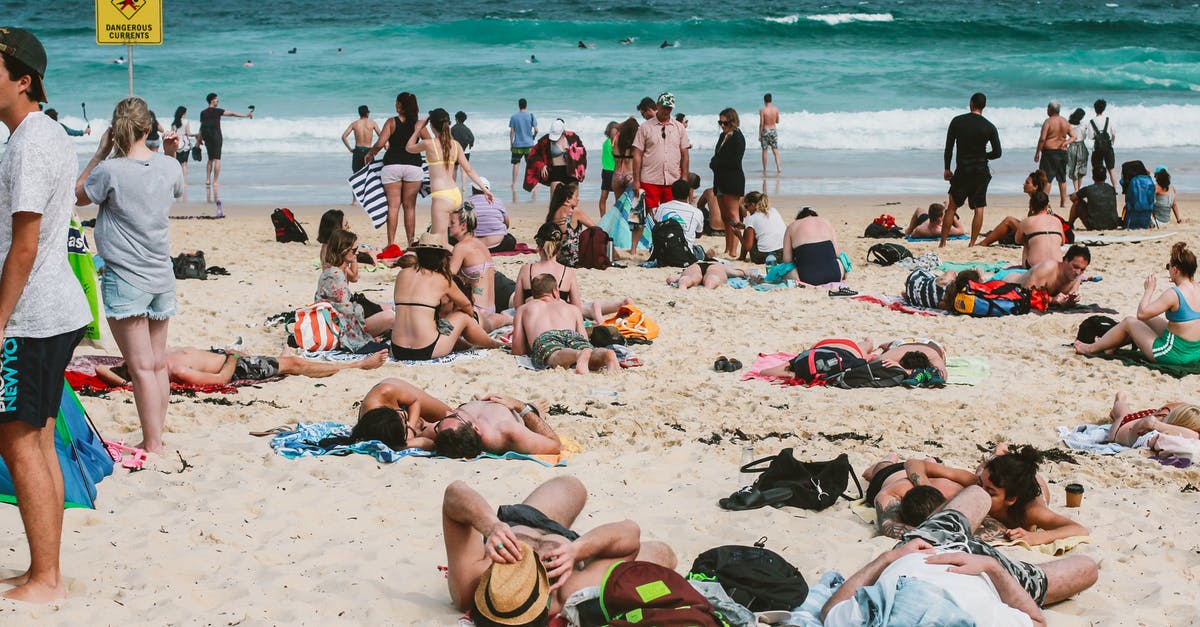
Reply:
x=514 y=594
x=430 y=241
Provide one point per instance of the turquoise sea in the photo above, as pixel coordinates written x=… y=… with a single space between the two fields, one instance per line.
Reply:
x=866 y=88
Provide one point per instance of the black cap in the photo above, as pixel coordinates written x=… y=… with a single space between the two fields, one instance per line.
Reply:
x=23 y=46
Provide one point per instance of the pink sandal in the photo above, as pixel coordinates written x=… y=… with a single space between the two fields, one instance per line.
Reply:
x=116 y=450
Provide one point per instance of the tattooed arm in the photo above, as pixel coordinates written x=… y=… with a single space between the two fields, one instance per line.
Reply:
x=887 y=517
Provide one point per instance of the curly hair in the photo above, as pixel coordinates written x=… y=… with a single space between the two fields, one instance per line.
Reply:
x=1016 y=474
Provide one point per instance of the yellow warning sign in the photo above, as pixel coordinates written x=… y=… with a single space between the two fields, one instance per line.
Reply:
x=129 y=22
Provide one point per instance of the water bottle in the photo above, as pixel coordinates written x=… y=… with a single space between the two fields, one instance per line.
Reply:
x=220 y=213
x=747 y=457
x=771 y=260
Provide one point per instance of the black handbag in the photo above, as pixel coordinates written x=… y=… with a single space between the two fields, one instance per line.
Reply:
x=814 y=485
x=195 y=153
x=188 y=266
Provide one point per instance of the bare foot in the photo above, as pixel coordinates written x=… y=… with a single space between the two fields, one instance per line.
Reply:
x=37 y=592
x=581 y=362
x=157 y=449
x=18 y=580
x=1083 y=349
x=375 y=360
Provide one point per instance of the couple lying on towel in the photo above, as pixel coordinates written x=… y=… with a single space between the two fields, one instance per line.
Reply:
x=910 y=354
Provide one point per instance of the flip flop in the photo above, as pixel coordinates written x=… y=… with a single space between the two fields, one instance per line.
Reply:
x=750 y=497
x=273 y=431
x=733 y=365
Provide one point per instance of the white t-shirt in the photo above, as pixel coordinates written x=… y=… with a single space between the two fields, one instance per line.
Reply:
x=974 y=594
x=1089 y=134
x=690 y=217
x=768 y=230
x=37 y=175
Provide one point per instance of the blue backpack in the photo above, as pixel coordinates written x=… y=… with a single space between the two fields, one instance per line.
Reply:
x=1139 y=202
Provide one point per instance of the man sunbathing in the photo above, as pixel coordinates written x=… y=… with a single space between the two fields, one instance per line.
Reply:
x=552 y=333
x=927 y=223
x=943 y=574
x=900 y=504
x=196 y=366
x=517 y=564
x=1061 y=278
x=493 y=424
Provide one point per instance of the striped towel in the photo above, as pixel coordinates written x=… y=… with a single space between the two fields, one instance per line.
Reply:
x=368 y=190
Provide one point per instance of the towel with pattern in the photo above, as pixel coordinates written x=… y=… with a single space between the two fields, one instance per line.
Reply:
x=81 y=375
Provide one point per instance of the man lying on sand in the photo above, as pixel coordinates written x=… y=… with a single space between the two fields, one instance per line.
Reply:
x=1061 y=278
x=928 y=222
x=196 y=366
x=516 y=565
x=943 y=574
x=552 y=333
x=493 y=424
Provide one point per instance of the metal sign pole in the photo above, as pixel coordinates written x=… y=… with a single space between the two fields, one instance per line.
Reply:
x=129 y=46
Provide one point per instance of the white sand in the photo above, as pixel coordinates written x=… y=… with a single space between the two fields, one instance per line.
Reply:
x=244 y=537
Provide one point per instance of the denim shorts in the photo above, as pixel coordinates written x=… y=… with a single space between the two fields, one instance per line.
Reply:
x=122 y=300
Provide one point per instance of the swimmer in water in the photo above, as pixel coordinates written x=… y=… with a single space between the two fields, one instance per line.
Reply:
x=531 y=59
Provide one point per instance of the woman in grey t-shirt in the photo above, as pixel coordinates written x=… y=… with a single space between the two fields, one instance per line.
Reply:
x=135 y=187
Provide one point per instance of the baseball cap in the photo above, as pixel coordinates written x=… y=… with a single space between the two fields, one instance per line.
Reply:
x=487 y=185
x=666 y=99
x=23 y=46
x=556 y=129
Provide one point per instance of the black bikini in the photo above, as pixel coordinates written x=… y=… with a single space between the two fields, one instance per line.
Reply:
x=528 y=291
x=404 y=353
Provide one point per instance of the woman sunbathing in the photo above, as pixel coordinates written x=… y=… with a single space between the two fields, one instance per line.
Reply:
x=709 y=273
x=1167 y=328
x=1141 y=429
x=549 y=241
x=1041 y=232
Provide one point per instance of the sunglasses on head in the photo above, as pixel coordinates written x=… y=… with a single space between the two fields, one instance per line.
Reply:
x=437 y=428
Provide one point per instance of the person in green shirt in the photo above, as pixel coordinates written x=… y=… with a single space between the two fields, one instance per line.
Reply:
x=608 y=164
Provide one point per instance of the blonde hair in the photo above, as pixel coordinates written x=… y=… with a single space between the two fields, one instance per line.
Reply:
x=1186 y=416
x=756 y=202
x=130 y=122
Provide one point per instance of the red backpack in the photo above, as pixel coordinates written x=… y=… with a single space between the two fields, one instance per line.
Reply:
x=825 y=359
x=594 y=246
x=287 y=228
x=641 y=593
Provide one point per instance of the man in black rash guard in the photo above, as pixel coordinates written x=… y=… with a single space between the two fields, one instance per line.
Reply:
x=969 y=181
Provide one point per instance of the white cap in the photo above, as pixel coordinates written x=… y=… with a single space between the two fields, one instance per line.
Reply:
x=487 y=185
x=556 y=129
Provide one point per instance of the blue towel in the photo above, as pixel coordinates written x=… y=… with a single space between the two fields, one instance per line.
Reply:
x=935 y=239
x=303 y=443
x=1093 y=438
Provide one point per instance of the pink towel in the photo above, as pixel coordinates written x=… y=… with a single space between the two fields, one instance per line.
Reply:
x=896 y=303
x=521 y=249
x=765 y=361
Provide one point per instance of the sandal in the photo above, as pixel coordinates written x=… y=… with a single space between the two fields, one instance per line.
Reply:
x=750 y=497
x=273 y=431
x=721 y=364
x=116 y=451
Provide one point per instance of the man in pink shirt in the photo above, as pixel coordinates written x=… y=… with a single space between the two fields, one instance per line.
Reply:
x=660 y=157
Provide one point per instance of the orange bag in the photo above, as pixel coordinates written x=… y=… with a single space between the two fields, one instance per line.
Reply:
x=317 y=327
x=631 y=322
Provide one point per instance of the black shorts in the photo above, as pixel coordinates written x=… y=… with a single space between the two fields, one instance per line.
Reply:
x=358 y=158
x=606 y=180
x=877 y=480
x=212 y=145
x=559 y=174
x=33 y=369
x=519 y=154
x=970 y=184
x=1054 y=164
x=1103 y=158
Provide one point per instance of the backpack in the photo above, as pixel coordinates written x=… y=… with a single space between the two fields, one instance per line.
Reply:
x=632 y=323
x=644 y=594
x=317 y=327
x=287 y=229
x=594 y=249
x=669 y=247
x=887 y=254
x=1095 y=326
x=754 y=577
x=1103 y=141
x=825 y=359
x=1139 y=202
x=814 y=485
x=188 y=266
x=872 y=374
x=993 y=298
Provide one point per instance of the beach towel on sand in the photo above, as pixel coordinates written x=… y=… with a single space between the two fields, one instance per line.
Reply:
x=521 y=249
x=934 y=239
x=1100 y=239
x=1135 y=358
x=348 y=356
x=302 y=442
x=866 y=513
x=81 y=374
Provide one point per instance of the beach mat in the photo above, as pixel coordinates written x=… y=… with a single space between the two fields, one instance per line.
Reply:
x=81 y=374
x=935 y=239
x=896 y=303
x=349 y=356
x=989 y=267
x=1100 y=239
x=1135 y=358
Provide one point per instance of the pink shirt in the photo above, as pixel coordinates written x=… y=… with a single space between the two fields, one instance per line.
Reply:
x=661 y=155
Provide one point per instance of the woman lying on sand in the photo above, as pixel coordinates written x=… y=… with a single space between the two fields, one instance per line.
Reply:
x=709 y=273
x=1140 y=429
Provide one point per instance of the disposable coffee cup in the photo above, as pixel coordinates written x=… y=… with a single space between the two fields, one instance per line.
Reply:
x=1074 y=494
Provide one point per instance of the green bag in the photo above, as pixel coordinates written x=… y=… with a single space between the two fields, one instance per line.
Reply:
x=80 y=259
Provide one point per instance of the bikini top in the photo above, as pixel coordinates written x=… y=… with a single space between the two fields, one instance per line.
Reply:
x=1185 y=313
x=474 y=273
x=555 y=150
x=528 y=291
x=435 y=162
x=416 y=305
x=1030 y=236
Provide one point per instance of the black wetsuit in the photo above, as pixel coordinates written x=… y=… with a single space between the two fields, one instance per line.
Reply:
x=972 y=133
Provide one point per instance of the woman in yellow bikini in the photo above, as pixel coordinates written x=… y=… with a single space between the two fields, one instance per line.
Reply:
x=442 y=152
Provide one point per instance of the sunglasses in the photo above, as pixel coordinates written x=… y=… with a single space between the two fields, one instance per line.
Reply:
x=664 y=131
x=723 y=122
x=437 y=428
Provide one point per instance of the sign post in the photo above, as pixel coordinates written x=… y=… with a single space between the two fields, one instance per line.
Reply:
x=129 y=22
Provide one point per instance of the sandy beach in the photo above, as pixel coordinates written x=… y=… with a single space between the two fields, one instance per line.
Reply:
x=222 y=531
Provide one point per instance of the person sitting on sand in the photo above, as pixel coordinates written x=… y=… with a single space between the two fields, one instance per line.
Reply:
x=491 y=218
x=1166 y=328
x=1036 y=182
x=333 y=220
x=571 y=220
x=549 y=239
x=810 y=245
x=762 y=237
x=196 y=366
x=941 y=573
x=1061 y=278
x=1096 y=204
x=359 y=327
x=552 y=333
x=927 y=223
x=680 y=209
x=1140 y=429
x=710 y=273
x=526 y=555
x=1041 y=233
x=418 y=295
x=471 y=261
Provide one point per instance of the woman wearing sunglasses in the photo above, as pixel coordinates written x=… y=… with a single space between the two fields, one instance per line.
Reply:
x=729 y=181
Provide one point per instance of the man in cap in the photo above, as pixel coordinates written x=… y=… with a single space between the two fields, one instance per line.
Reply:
x=660 y=157
x=517 y=565
x=42 y=309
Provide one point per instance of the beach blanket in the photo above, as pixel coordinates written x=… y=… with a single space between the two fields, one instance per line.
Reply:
x=1090 y=438
x=367 y=188
x=615 y=222
x=896 y=303
x=1100 y=239
x=866 y=513
x=521 y=249
x=967 y=369
x=925 y=261
x=982 y=266
x=302 y=442
x=1135 y=358
x=81 y=375
x=935 y=239
x=348 y=356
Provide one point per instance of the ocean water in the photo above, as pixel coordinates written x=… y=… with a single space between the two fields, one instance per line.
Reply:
x=866 y=88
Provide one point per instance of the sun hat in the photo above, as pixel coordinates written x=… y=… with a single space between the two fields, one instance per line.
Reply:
x=556 y=129
x=24 y=46
x=666 y=99
x=514 y=594
x=430 y=241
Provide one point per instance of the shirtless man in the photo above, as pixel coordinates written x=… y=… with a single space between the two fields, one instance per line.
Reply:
x=1060 y=278
x=1041 y=232
x=196 y=366
x=928 y=222
x=899 y=503
x=1051 y=149
x=481 y=540
x=552 y=333
x=768 y=135
x=365 y=130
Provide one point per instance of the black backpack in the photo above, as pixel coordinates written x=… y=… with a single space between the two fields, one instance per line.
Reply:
x=754 y=577
x=287 y=229
x=188 y=266
x=1103 y=139
x=670 y=247
x=878 y=231
x=872 y=374
x=887 y=254
x=1095 y=326
x=814 y=485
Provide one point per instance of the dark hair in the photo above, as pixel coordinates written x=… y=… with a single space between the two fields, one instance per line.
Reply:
x=1183 y=259
x=978 y=100
x=1039 y=179
x=408 y=105
x=339 y=243
x=543 y=284
x=694 y=180
x=918 y=503
x=1098 y=174
x=179 y=113
x=330 y=221
x=936 y=211
x=210 y=97
x=386 y=424
x=363 y=111
x=806 y=212
x=462 y=442
x=679 y=117
x=913 y=360
x=626 y=135
x=1077 y=116
x=1016 y=474
x=766 y=97
x=646 y=103
x=1163 y=178
x=1038 y=200
x=680 y=189
x=1100 y=105
x=1078 y=250
x=521 y=104
x=435 y=259
x=960 y=283
x=18 y=68
x=122 y=371
x=1130 y=169
x=460 y=116
x=559 y=197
